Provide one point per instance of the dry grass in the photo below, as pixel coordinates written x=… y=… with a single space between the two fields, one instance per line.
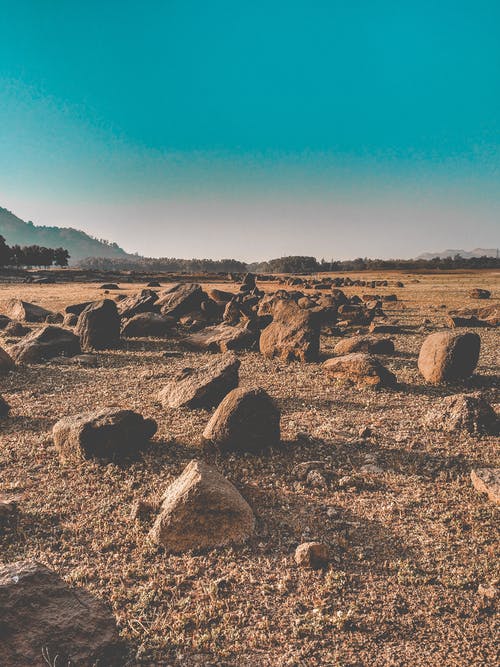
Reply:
x=410 y=545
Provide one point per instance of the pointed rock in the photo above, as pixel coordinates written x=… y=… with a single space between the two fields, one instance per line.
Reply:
x=45 y=343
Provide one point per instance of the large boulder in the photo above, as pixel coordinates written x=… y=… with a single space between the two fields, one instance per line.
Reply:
x=6 y=362
x=99 y=326
x=204 y=386
x=464 y=412
x=293 y=334
x=201 y=509
x=447 y=356
x=247 y=420
x=147 y=324
x=75 y=308
x=487 y=480
x=45 y=343
x=107 y=434
x=361 y=369
x=182 y=299
x=221 y=338
x=142 y=302
x=368 y=344
x=26 y=312
x=45 y=622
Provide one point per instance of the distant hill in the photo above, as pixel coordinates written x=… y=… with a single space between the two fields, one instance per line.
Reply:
x=78 y=243
x=467 y=254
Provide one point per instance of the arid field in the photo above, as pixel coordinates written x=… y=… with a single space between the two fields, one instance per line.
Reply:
x=411 y=540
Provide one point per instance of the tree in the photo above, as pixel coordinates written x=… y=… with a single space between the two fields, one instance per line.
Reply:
x=61 y=257
x=5 y=252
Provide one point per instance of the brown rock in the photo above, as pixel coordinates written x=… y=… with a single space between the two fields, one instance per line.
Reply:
x=201 y=509
x=42 y=616
x=312 y=555
x=142 y=302
x=368 y=344
x=16 y=329
x=362 y=369
x=202 y=387
x=107 y=434
x=464 y=412
x=446 y=356
x=148 y=325
x=45 y=343
x=181 y=299
x=478 y=293
x=6 y=362
x=384 y=328
x=4 y=407
x=487 y=480
x=247 y=420
x=293 y=334
x=26 y=312
x=99 y=326
x=221 y=338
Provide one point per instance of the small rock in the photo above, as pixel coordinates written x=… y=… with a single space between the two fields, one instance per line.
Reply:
x=487 y=480
x=312 y=555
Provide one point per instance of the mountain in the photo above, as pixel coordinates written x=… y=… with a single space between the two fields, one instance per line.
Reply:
x=78 y=243
x=467 y=254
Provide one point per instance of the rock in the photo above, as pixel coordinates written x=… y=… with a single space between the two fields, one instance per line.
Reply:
x=248 y=283
x=42 y=616
x=302 y=470
x=472 y=321
x=204 y=386
x=371 y=469
x=8 y=511
x=221 y=338
x=464 y=412
x=181 y=300
x=478 y=293
x=446 y=356
x=355 y=314
x=362 y=369
x=70 y=320
x=247 y=420
x=107 y=434
x=487 y=480
x=142 y=302
x=45 y=343
x=99 y=326
x=220 y=296
x=16 y=329
x=54 y=318
x=201 y=509
x=108 y=286
x=293 y=334
x=141 y=510
x=4 y=321
x=4 y=407
x=368 y=344
x=76 y=308
x=490 y=592
x=148 y=325
x=153 y=283
x=312 y=555
x=6 y=362
x=26 y=312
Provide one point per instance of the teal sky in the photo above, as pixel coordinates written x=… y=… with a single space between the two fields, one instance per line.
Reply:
x=255 y=129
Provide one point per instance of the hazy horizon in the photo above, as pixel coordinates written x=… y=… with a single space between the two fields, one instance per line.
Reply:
x=255 y=131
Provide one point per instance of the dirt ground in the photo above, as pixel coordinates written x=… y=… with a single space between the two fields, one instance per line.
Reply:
x=410 y=544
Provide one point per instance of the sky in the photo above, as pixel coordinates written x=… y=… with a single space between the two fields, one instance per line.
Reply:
x=255 y=129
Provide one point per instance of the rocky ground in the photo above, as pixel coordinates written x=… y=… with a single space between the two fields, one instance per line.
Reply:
x=411 y=540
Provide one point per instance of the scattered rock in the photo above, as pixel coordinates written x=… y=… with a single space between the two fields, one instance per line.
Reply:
x=6 y=362
x=384 y=328
x=487 y=480
x=4 y=407
x=41 y=616
x=464 y=412
x=99 y=326
x=362 y=369
x=17 y=329
x=8 y=510
x=4 y=321
x=107 y=434
x=368 y=344
x=202 y=387
x=247 y=420
x=221 y=338
x=181 y=299
x=26 y=312
x=201 y=509
x=142 y=302
x=45 y=343
x=478 y=293
x=446 y=356
x=108 y=286
x=148 y=325
x=312 y=555
x=293 y=334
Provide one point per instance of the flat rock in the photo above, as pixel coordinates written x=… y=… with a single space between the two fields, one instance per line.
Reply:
x=487 y=480
x=201 y=509
x=147 y=325
x=26 y=312
x=107 y=434
x=204 y=386
x=447 y=356
x=221 y=338
x=368 y=344
x=41 y=614
x=360 y=368
x=247 y=420
x=45 y=343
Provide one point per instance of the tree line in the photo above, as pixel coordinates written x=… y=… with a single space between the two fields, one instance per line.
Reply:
x=163 y=265
x=32 y=255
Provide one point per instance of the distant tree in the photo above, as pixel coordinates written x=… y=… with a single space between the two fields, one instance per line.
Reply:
x=5 y=252
x=61 y=257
